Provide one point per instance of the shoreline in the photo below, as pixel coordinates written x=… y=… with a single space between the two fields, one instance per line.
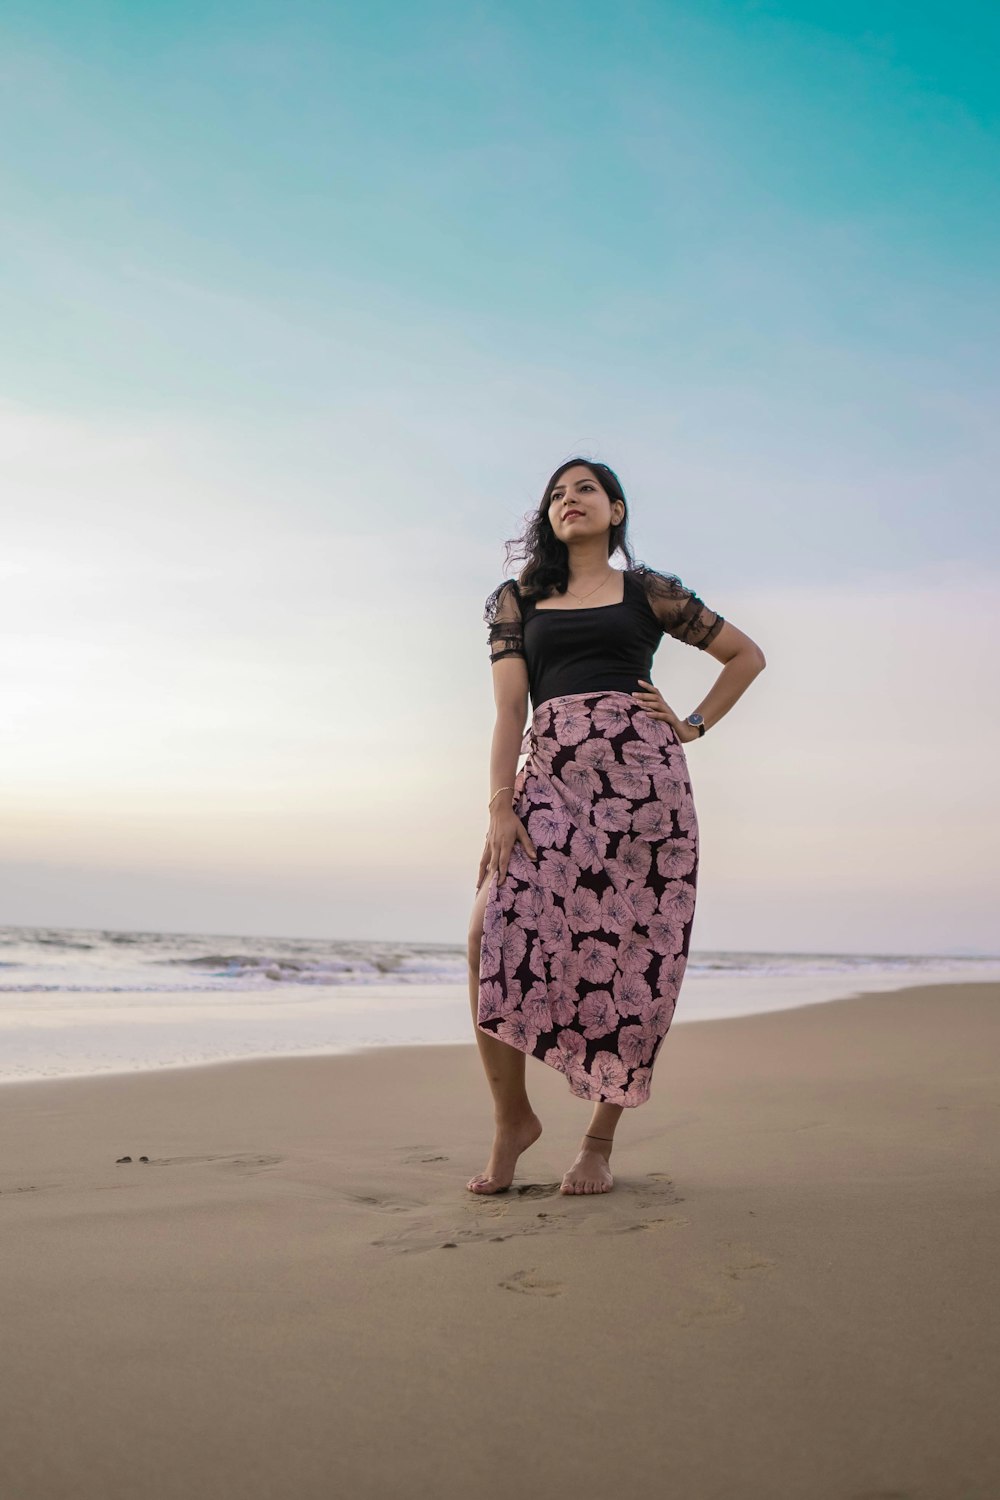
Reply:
x=445 y=1011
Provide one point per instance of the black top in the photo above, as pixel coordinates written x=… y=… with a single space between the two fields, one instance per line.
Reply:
x=583 y=649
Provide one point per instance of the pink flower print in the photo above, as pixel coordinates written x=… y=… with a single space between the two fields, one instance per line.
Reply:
x=580 y=1081
x=665 y=936
x=583 y=910
x=629 y=781
x=631 y=992
x=516 y=1032
x=671 y=974
x=617 y=912
x=571 y=723
x=633 y=858
x=658 y=1015
x=587 y=941
x=610 y=1074
x=514 y=945
x=548 y=826
x=588 y=847
x=557 y=872
x=536 y=961
x=535 y=1009
x=510 y=997
x=610 y=716
x=597 y=1014
x=596 y=961
x=530 y=905
x=638 y=1090
x=542 y=754
x=671 y=789
x=553 y=929
x=652 y=820
x=505 y=893
x=687 y=820
x=541 y=720
x=642 y=901
x=634 y=954
x=613 y=814
x=575 y=805
x=635 y=1044
x=646 y=757
x=554 y=1058
x=562 y=1003
x=489 y=954
x=521 y=867
x=677 y=901
x=571 y=1047
x=536 y=789
x=675 y=858
x=491 y=1001
x=567 y=964
x=597 y=753
x=653 y=731
x=493 y=921
x=582 y=780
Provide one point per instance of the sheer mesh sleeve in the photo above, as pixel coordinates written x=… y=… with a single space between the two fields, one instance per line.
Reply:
x=679 y=610
x=503 y=616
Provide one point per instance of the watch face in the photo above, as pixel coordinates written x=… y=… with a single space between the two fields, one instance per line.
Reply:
x=695 y=719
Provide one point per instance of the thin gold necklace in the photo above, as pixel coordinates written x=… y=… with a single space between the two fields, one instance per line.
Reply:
x=592 y=591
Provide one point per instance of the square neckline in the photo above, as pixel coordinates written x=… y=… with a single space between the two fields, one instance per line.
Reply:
x=582 y=609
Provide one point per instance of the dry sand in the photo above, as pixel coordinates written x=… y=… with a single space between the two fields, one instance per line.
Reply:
x=790 y=1294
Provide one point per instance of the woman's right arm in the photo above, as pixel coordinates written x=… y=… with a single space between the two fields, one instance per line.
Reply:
x=510 y=693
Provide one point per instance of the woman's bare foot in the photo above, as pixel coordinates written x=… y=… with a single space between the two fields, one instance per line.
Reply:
x=508 y=1143
x=590 y=1173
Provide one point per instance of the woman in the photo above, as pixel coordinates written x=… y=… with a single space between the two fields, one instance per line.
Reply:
x=586 y=892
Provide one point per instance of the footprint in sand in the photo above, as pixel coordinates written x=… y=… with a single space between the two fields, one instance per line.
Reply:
x=419 y=1154
x=714 y=1307
x=428 y=1235
x=532 y=1285
x=659 y=1191
x=716 y=1304
x=239 y=1163
x=746 y=1263
x=672 y=1221
x=386 y=1204
x=538 y=1190
x=742 y=1270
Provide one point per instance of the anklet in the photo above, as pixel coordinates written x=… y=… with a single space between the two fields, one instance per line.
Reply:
x=598 y=1137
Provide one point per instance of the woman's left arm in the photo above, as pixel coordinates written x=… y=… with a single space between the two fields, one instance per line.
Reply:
x=742 y=660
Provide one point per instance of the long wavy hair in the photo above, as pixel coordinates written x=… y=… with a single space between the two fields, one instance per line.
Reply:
x=546 y=568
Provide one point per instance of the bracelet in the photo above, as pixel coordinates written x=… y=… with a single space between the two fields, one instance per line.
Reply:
x=497 y=793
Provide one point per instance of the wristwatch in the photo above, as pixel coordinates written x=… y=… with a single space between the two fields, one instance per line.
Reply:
x=696 y=721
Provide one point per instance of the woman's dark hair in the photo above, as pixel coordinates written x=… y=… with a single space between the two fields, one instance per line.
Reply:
x=547 y=565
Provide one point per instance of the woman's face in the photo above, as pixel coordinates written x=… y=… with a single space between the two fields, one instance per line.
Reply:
x=579 y=505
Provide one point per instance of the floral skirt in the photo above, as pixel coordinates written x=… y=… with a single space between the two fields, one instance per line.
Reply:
x=584 y=949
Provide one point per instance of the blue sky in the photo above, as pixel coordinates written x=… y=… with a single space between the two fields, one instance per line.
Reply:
x=302 y=304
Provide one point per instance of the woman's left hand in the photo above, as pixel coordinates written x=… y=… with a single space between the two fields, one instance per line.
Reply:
x=653 y=701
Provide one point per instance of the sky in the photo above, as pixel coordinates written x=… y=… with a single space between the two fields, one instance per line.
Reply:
x=302 y=304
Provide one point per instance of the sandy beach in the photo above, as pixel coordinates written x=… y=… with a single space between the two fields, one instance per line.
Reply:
x=791 y=1291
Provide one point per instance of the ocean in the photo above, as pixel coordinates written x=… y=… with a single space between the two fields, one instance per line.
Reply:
x=75 y=1001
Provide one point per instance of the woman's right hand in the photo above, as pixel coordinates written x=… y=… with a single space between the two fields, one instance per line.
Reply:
x=506 y=830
